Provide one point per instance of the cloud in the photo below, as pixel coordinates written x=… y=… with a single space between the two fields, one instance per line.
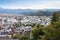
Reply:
x=39 y=4
x=51 y=4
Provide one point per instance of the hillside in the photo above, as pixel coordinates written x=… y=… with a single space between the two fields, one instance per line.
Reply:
x=42 y=13
x=31 y=12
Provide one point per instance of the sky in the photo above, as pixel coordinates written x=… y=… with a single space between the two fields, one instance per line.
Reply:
x=30 y=4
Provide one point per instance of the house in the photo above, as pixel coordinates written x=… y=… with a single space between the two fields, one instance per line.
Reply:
x=23 y=29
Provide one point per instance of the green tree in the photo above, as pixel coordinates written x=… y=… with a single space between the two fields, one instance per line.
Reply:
x=55 y=17
x=52 y=31
x=37 y=32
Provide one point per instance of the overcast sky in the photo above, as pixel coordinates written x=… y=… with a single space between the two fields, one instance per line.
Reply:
x=30 y=4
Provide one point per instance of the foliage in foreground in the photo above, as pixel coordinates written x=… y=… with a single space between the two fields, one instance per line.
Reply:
x=51 y=32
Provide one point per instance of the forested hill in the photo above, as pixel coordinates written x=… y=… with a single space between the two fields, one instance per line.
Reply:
x=42 y=13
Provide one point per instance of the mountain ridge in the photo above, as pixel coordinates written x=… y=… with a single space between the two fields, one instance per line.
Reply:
x=29 y=11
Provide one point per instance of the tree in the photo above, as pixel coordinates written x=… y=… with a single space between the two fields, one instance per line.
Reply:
x=55 y=17
x=37 y=32
x=52 y=31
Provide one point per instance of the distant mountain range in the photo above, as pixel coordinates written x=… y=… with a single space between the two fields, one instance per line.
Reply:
x=16 y=11
x=32 y=12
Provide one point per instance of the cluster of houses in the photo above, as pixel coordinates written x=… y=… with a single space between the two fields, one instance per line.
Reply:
x=7 y=27
x=43 y=20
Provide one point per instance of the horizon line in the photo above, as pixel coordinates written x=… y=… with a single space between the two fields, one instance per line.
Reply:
x=30 y=8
